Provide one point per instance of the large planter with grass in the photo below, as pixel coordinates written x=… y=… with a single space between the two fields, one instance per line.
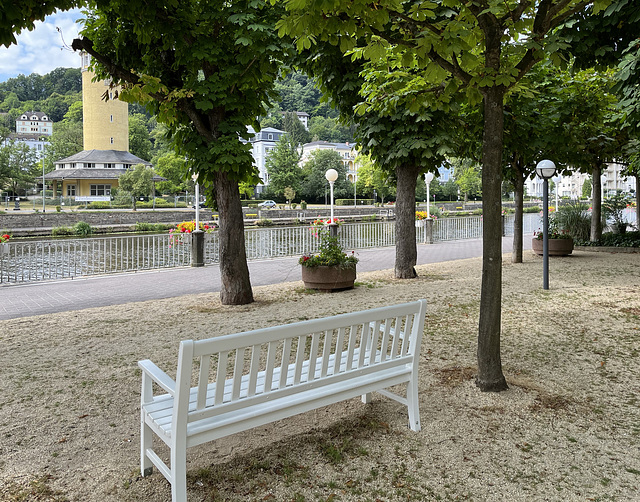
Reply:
x=557 y=247
x=326 y=278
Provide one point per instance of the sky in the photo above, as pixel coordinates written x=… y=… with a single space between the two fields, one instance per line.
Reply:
x=40 y=51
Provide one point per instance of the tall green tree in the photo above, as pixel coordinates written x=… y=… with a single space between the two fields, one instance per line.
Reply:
x=139 y=142
x=295 y=129
x=481 y=48
x=371 y=177
x=205 y=69
x=138 y=181
x=17 y=167
x=173 y=168
x=315 y=186
x=282 y=166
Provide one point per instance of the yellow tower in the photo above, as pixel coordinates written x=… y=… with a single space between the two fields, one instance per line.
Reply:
x=105 y=123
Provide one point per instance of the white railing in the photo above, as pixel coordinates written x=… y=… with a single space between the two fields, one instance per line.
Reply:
x=55 y=259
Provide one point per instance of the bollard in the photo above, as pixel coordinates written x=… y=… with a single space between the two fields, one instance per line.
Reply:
x=197 y=248
x=429 y=231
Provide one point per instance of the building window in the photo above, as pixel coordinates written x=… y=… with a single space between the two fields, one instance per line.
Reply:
x=112 y=141
x=111 y=118
x=109 y=166
x=270 y=136
x=89 y=165
x=100 y=190
x=71 y=190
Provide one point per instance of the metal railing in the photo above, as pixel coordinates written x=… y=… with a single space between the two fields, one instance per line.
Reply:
x=56 y=259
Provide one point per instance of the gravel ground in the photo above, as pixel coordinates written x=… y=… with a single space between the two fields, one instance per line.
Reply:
x=567 y=429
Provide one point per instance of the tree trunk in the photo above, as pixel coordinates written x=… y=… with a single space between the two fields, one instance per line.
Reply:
x=406 y=248
x=234 y=273
x=518 y=192
x=596 y=204
x=490 y=376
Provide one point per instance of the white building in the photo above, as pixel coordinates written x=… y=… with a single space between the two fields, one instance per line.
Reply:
x=571 y=186
x=347 y=152
x=261 y=144
x=34 y=123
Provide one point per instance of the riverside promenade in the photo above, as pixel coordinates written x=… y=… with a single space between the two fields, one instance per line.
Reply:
x=23 y=300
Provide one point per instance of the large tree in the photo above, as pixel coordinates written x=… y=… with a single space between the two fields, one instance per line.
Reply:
x=138 y=181
x=282 y=166
x=206 y=69
x=483 y=47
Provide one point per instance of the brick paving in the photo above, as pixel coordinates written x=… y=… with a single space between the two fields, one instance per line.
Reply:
x=22 y=300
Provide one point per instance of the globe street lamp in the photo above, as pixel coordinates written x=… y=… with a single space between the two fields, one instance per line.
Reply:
x=428 y=177
x=545 y=170
x=332 y=176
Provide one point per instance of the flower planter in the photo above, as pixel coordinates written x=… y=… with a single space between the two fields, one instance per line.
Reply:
x=326 y=278
x=557 y=247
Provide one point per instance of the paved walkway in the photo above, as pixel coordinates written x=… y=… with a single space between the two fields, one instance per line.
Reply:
x=24 y=300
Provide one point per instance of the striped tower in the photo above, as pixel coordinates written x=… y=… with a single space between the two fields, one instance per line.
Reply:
x=105 y=123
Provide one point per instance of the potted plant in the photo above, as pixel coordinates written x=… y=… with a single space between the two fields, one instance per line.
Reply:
x=331 y=268
x=4 y=243
x=560 y=240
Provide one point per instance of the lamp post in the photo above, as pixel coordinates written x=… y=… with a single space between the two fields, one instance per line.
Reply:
x=43 y=186
x=355 y=196
x=545 y=170
x=332 y=176
x=428 y=177
x=195 y=180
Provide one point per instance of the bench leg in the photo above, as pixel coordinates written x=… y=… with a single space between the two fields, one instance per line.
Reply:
x=413 y=405
x=179 y=473
x=366 y=398
x=146 y=441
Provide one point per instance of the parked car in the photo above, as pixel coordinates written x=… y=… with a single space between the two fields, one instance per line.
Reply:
x=267 y=204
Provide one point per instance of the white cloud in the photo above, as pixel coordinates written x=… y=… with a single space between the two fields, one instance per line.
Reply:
x=40 y=51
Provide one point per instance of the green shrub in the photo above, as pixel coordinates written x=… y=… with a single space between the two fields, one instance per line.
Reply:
x=99 y=204
x=59 y=231
x=58 y=209
x=531 y=209
x=142 y=226
x=574 y=219
x=264 y=222
x=303 y=204
x=82 y=228
x=611 y=239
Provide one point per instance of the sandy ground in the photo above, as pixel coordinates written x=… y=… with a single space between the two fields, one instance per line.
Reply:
x=567 y=429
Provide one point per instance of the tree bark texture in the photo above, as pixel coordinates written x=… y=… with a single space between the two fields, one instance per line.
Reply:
x=234 y=273
x=518 y=192
x=490 y=377
x=406 y=247
x=596 y=204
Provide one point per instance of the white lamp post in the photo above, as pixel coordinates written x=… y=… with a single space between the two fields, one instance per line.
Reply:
x=43 y=186
x=545 y=170
x=332 y=176
x=195 y=180
x=428 y=177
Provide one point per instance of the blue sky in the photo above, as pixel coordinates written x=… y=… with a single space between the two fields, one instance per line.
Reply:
x=40 y=50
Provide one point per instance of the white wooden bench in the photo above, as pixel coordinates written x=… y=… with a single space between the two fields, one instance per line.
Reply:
x=249 y=379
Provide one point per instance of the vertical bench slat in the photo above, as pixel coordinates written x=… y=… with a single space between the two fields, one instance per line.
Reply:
x=374 y=342
x=385 y=340
x=338 y=351
x=397 y=331
x=286 y=354
x=221 y=376
x=237 y=373
x=203 y=381
x=353 y=333
x=253 y=371
x=364 y=343
x=326 y=352
x=408 y=323
x=268 y=373
x=302 y=341
x=313 y=356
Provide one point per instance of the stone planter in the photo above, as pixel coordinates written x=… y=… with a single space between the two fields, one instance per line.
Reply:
x=328 y=278
x=557 y=247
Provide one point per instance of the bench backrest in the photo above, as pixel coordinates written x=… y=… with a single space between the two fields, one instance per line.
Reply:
x=220 y=374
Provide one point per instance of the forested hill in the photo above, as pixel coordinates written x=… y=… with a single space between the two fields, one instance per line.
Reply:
x=52 y=93
x=55 y=92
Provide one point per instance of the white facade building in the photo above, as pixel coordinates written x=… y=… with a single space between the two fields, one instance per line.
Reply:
x=262 y=143
x=34 y=123
x=347 y=152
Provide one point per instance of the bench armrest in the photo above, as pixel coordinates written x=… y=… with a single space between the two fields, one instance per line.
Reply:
x=158 y=376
